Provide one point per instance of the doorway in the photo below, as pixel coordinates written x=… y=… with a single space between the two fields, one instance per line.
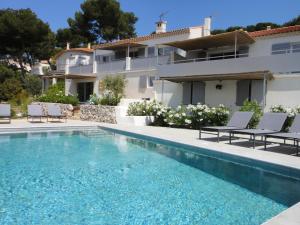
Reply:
x=84 y=90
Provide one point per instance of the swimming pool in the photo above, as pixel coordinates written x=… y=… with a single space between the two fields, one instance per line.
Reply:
x=100 y=177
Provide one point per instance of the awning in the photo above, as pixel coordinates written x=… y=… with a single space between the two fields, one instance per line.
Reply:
x=239 y=37
x=119 y=45
x=258 y=75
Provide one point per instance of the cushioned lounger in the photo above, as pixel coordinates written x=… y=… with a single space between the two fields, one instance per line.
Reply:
x=35 y=111
x=270 y=123
x=5 y=112
x=54 y=111
x=239 y=120
x=292 y=134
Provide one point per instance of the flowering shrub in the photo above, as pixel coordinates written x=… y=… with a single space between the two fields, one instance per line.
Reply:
x=178 y=117
x=290 y=111
x=203 y=115
x=107 y=98
x=56 y=94
x=152 y=108
x=191 y=116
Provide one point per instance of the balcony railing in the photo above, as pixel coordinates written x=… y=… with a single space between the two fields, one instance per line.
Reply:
x=81 y=69
x=278 y=63
x=148 y=63
x=111 y=67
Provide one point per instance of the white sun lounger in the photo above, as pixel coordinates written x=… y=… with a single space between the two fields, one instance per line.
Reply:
x=5 y=112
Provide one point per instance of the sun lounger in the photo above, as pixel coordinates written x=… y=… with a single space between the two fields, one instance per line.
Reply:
x=55 y=112
x=35 y=111
x=5 y=112
x=239 y=120
x=292 y=134
x=270 y=123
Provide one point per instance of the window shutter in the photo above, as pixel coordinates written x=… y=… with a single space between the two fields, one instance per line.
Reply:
x=198 y=93
x=242 y=91
x=186 y=98
x=257 y=92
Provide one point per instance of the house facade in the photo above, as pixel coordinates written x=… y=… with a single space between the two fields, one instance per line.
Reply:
x=190 y=65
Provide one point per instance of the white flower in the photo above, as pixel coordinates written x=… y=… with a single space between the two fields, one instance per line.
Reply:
x=187 y=121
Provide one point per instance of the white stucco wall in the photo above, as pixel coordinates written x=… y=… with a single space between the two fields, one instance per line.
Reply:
x=61 y=60
x=263 y=45
x=169 y=93
x=226 y=96
x=283 y=90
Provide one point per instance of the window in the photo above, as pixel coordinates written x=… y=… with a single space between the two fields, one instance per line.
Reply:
x=151 y=51
x=165 y=51
x=281 y=48
x=150 y=81
x=105 y=59
x=98 y=58
x=296 y=47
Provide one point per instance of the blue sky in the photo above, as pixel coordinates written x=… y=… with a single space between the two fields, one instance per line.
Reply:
x=181 y=13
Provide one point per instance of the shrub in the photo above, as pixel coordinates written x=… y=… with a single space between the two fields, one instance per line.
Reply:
x=10 y=88
x=150 y=108
x=178 y=117
x=94 y=100
x=55 y=94
x=113 y=88
x=109 y=98
x=33 y=85
x=252 y=106
x=20 y=102
x=291 y=114
x=203 y=115
x=191 y=116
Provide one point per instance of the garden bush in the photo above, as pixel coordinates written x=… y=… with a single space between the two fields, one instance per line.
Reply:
x=191 y=116
x=33 y=85
x=56 y=94
x=290 y=112
x=10 y=88
x=252 y=106
x=150 y=108
x=113 y=88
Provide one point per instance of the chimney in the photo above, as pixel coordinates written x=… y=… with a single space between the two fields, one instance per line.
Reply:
x=269 y=27
x=89 y=46
x=68 y=45
x=207 y=26
x=161 y=27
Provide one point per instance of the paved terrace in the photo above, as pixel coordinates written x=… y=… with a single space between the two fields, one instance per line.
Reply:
x=275 y=154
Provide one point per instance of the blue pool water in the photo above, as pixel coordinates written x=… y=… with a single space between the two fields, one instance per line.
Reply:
x=97 y=177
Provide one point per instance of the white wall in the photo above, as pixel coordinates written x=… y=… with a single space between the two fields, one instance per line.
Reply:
x=263 y=45
x=226 y=96
x=61 y=60
x=283 y=90
x=169 y=93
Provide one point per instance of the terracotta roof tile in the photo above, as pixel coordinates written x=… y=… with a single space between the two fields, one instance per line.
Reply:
x=84 y=50
x=274 y=31
x=144 y=38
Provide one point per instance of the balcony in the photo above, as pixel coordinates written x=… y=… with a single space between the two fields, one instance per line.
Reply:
x=81 y=69
x=111 y=67
x=136 y=64
x=281 y=63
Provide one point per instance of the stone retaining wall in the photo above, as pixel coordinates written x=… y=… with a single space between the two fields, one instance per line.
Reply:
x=67 y=109
x=98 y=113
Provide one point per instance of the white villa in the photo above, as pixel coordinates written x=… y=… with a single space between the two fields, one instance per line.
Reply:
x=190 y=65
